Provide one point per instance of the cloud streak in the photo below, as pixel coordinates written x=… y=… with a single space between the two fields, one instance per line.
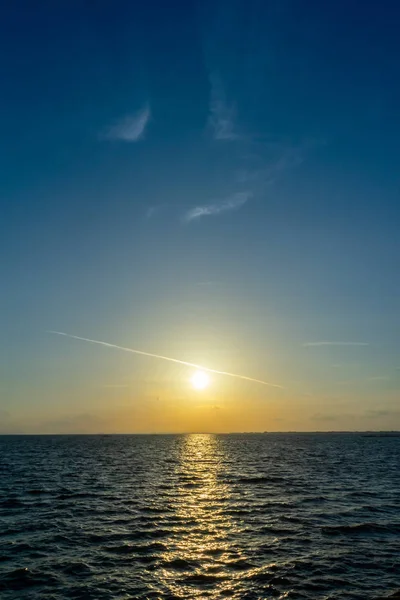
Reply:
x=131 y=128
x=371 y=414
x=263 y=158
x=115 y=385
x=233 y=202
x=323 y=343
x=222 y=116
x=168 y=358
x=321 y=417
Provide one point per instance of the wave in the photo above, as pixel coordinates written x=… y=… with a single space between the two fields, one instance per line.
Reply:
x=361 y=528
x=203 y=578
x=11 y=503
x=259 y=479
x=20 y=579
x=180 y=564
x=271 y=518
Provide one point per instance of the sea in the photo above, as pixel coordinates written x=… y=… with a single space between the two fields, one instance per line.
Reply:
x=244 y=516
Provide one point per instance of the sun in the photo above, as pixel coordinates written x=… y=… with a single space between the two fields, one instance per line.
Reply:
x=200 y=380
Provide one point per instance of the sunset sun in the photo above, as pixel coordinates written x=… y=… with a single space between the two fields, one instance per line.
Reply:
x=200 y=380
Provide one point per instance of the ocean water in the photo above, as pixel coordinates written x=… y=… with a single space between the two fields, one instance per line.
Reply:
x=310 y=516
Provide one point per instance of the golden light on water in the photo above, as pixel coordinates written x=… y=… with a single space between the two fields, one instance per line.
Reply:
x=203 y=530
x=200 y=380
x=213 y=525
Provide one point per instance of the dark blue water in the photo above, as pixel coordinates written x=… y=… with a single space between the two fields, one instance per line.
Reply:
x=199 y=516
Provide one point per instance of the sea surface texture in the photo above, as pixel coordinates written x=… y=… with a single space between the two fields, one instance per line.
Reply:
x=199 y=516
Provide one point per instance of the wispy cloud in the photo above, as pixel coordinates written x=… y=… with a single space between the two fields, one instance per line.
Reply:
x=263 y=158
x=322 y=417
x=363 y=381
x=231 y=203
x=155 y=210
x=283 y=159
x=222 y=115
x=324 y=343
x=129 y=129
x=371 y=414
x=115 y=385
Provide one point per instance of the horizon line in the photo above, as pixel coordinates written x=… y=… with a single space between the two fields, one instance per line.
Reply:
x=254 y=432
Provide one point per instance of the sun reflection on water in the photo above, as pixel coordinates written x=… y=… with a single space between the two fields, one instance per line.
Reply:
x=201 y=542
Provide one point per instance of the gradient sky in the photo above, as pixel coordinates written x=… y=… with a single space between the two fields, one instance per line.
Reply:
x=214 y=181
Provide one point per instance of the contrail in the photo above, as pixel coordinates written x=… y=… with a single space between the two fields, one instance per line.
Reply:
x=174 y=360
x=308 y=344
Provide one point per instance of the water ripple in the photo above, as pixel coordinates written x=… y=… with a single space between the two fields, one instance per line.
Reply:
x=199 y=516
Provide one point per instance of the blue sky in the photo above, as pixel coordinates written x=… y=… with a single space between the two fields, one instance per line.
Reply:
x=212 y=181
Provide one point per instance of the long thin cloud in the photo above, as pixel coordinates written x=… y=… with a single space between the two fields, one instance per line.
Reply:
x=308 y=344
x=130 y=128
x=232 y=203
x=161 y=357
